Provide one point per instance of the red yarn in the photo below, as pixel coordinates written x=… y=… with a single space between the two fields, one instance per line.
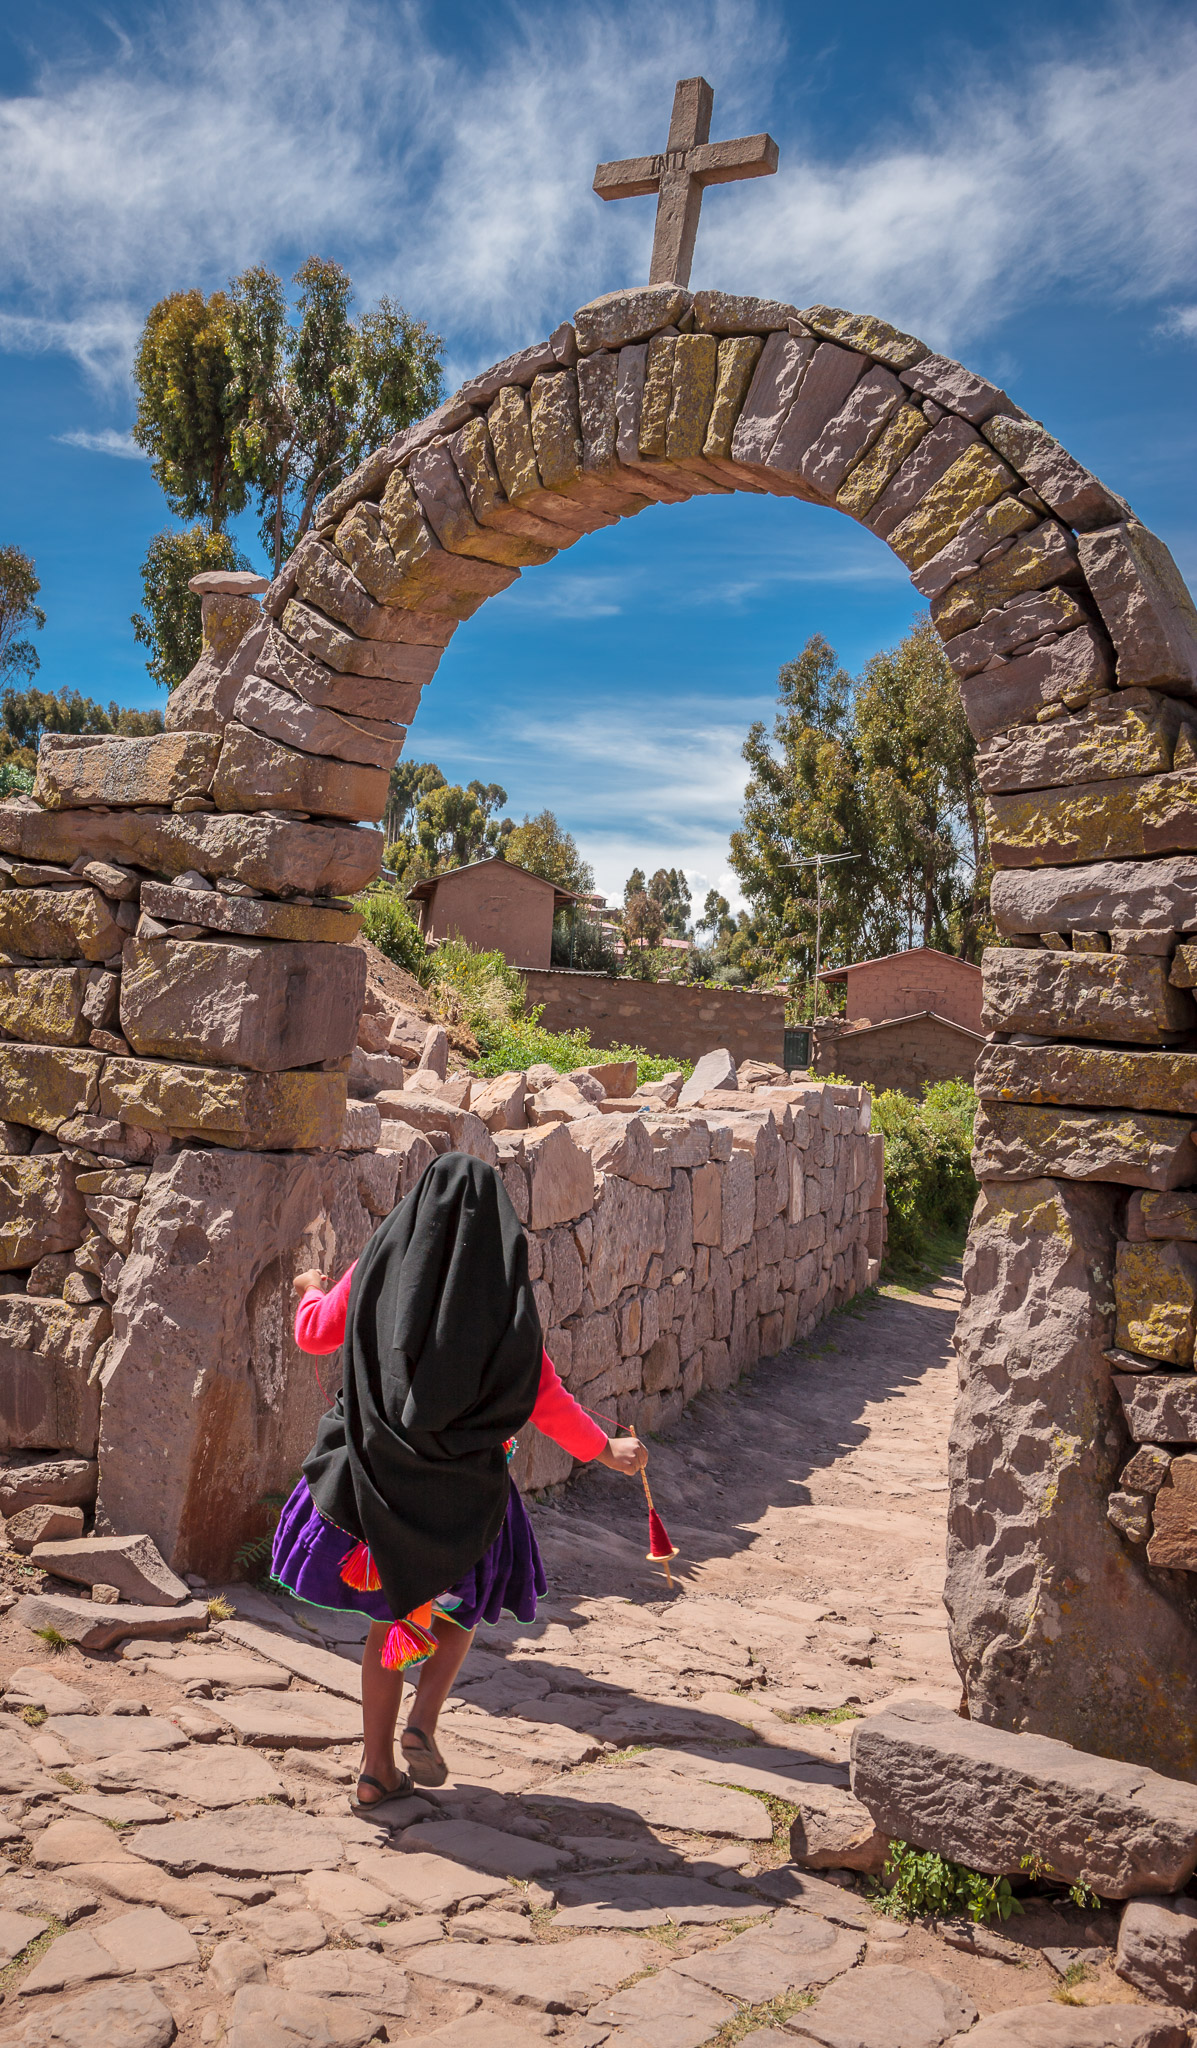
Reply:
x=358 y=1571
x=406 y=1644
x=658 y=1537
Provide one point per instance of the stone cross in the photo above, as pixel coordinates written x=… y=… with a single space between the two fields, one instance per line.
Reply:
x=690 y=161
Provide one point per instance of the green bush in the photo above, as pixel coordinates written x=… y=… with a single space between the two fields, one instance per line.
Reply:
x=923 y=1883
x=523 y=1041
x=389 y=925
x=929 y=1181
x=14 y=779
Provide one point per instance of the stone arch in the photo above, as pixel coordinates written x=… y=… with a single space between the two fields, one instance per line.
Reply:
x=1075 y=643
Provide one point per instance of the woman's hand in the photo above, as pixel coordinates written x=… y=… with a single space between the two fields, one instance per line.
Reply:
x=624 y=1454
x=304 y=1282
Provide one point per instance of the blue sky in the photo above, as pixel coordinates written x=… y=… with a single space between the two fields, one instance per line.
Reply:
x=1015 y=183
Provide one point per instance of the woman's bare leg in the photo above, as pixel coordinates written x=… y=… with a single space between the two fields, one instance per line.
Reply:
x=438 y=1674
x=382 y=1691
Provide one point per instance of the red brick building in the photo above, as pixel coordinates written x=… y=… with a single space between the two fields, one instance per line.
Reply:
x=908 y=1018
x=494 y=905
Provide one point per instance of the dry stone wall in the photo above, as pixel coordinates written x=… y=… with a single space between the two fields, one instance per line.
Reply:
x=139 y=1032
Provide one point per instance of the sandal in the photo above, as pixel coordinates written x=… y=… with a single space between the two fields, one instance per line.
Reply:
x=426 y=1764
x=385 y=1792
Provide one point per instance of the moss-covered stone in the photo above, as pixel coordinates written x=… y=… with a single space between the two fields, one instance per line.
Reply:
x=268 y=853
x=695 y=365
x=45 y=1085
x=510 y=422
x=863 y=485
x=557 y=429
x=1014 y=1141
x=44 y=1005
x=1082 y=994
x=658 y=395
x=1088 y=1075
x=1045 y=555
x=1125 y=732
x=738 y=357
x=41 y=1210
x=868 y=335
x=1155 y=1287
x=257 y=1112
x=975 y=479
x=1126 y=820
x=58 y=924
x=75 y=771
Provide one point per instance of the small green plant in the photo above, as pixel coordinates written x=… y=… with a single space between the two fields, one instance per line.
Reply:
x=53 y=1641
x=925 y=1885
x=388 y=924
x=34 y=1716
x=14 y=779
x=1042 y=1872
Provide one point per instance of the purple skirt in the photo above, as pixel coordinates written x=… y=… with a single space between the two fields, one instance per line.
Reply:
x=309 y=1552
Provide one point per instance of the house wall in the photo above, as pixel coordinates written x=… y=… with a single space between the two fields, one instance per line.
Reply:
x=904 y=1054
x=497 y=908
x=679 y=1021
x=918 y=980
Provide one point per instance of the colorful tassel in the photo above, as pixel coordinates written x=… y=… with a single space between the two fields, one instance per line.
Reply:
x=358 y=1571
x=406 y=1643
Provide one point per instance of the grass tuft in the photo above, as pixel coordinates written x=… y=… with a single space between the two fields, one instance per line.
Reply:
x=55 y=1642
x=34 y=1716
x=220 y=1609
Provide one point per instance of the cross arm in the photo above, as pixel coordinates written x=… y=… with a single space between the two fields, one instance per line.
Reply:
x=631 y=178
x=720 y=163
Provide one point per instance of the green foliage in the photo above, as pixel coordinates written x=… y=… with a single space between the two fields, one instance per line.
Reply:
x=580 y=941
x=475 y=988
x=524 y=1042
x=927 y=1885
x=929 y=1182
x=19 y=586
x=14 y=779
x=53 y=1639
x=410 y=782
x=1040 y=1871
x=544 y=847
x=26 y=714
x=881 y=767
x=186 y=406
x=389 y=925
x=170 y=624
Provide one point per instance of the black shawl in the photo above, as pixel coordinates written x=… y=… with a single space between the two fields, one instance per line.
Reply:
x=441 y=1363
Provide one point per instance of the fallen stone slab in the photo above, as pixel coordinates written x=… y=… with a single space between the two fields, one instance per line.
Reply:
x=285 y=1932
x=98 y=1628
x=986 y=1798
x=103 y=1735
x=31 y=1685
x=291 y=1720
x=664 y=1800
x=566 y=1976
x=228 y=1777
x=58 y=1482
x=483 y=1848
x=107 y=2016
x=1157 y=1948
x=264 y=2013
x=41 y=1524
x=258 y=1841
x=349 y=1973
x=431 y=1884
x=797 y=1951
x=667 y=2009
x=130 y=1563
x=1091 y=2026
x=304 y=1660
x=645 y=1901
x=886 y=2006
x=17 y=1930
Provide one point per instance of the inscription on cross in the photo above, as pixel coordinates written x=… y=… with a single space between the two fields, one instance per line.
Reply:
x=690 y=162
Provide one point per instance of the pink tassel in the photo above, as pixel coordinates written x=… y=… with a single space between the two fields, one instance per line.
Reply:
x=358 y=1571
x=406 y=1644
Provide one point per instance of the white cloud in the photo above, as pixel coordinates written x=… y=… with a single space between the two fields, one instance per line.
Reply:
x=1182 y=320
x=231 y=133
x=105 y=442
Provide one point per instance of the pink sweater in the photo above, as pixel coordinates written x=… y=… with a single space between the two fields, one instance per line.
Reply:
x=320 y=1327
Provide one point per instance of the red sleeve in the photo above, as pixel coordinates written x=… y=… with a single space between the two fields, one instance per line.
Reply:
x=320 y=1318
x=559 y=1416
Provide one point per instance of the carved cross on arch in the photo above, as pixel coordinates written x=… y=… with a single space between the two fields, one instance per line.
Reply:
x=690 y=162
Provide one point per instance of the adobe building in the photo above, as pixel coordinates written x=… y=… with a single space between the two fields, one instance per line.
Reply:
x=909 y=1018
x=494 y=905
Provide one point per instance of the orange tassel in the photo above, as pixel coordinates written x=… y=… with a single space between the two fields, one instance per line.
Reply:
x=406 y=1643
x=358 y=1571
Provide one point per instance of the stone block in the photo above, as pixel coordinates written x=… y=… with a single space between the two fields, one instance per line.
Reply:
x=1155 y=1286
x=868 y=478
x=783 y=363
x=715 y=1070
x=864 y=332
x=1015 y=1141
x=739 y=314
x=40 y=1209
x=738 y=1201
x=1146 y=605
x=61 y=1481
x=1088 y=1076
x=735 y=367
x=1159 y=1216
x=45 y=1085
x=45 y=1323
x=617 y=1144
x=1068 y=489
x=434 y=477
x=629 y=1226
x=45 y=1005
x=1010 y=627
x=123 y=2015
x=851 y=431
x=1173 y=1540
x=1121 y=996
x=74 y=772
x=973 y=480
x=1045 y=555
x=987 y=1798
x=886 y=2006
x=1160 y=1407
x=829 y=377
x=46 y=1403
x=1157 y=1948
x=369 y=697
x=92 y=1627
x=41 y=1524
x=1129 y=732
x=931 y=456
x=390 y=661
x=695 y=368
x=398 y=558
x=58 y=924
x=1103 y=896
x=1067 y=670
x=280 y=715
x=560 y=1177
x=257 y=774
x=130 y=1563
x=260 y=1112
x=252 y=917
x=265 y=1007
x=1137 y=817
x=267 y=853
x=628 y=315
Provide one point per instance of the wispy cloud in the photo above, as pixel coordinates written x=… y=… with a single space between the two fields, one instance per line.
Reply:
x=231 y=133
x=104 y=442
x=1181 y=320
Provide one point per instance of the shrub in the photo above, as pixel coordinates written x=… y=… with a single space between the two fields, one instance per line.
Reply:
x=388 y=924
x=922 y=1882
x=523 y=1041
x=14 y=778
x=929 y=1181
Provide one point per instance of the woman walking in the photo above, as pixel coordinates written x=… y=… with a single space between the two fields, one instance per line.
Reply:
x=405 y=1511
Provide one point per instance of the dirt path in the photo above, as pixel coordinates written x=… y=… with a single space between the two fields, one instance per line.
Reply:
x=609 y=1860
